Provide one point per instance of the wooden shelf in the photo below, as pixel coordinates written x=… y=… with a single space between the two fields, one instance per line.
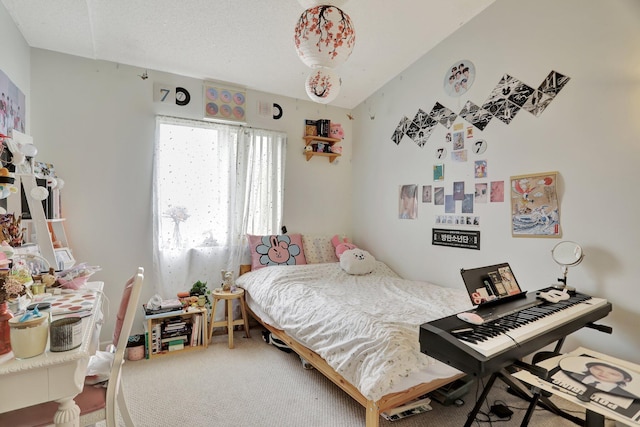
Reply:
x=310 y=139
x=331 y=156
x=152 y=320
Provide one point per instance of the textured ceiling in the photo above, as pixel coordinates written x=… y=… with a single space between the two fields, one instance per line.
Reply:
x=243 y=42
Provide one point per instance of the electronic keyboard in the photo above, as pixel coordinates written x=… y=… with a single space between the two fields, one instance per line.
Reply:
x=510 y=331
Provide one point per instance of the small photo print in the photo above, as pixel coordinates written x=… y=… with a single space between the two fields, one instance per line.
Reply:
x=459 y=156
x=497 y=191
x=481 y=193
x=467 y=204
x=481 y=169
x=426 y=194
x=449 y=204
x=508 y=280
x=438 y=196
x=458 y=140
x=458 y=190
x=438 y=172
x=469 y=131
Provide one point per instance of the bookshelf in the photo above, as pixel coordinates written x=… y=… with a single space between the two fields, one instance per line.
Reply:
x=175 y=331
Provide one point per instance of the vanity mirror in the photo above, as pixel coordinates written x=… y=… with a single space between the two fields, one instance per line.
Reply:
x=566 y=254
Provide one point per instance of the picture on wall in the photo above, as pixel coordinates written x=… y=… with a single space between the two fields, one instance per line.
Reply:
x=224 y=103
x=459 y=77
x=12 y=106
x=408 y=201
x=534 y=205
x=426 y=194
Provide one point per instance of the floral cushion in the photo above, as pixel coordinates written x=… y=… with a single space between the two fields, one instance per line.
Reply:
x=285 y=249
x=318 y=249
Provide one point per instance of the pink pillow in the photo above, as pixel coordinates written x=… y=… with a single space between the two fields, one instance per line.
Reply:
x=285 y=249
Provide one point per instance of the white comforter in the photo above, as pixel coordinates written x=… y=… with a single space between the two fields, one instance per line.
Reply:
x=365 y=327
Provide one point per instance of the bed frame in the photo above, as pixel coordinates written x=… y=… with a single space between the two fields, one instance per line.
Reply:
x=374 y=408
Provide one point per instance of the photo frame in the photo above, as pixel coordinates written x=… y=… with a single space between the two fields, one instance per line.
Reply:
x=535 y=210
x=64 y=258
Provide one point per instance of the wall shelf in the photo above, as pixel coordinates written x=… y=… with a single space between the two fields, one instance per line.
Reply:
x=309 y=139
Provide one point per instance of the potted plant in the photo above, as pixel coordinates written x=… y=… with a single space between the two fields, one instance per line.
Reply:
x=199 y=288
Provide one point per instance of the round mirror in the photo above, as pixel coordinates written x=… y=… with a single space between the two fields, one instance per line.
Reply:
x=567 y=253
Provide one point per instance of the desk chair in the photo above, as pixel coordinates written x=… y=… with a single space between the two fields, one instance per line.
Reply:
x=96 y=403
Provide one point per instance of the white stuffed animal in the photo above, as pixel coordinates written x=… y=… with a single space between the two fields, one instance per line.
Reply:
x=357 y=261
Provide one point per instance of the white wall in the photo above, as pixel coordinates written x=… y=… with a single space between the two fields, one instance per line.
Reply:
x=589 y=134
x=95 y=121
x=15 y=60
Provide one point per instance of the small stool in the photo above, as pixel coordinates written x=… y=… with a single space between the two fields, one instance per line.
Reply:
x=218 y=294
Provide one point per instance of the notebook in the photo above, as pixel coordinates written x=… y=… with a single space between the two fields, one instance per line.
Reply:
x=491 y=285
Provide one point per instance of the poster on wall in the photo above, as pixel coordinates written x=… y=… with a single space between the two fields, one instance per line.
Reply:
x=224 y=103
x=459 y=77
x=534 y=205
x=12 y=106
x=408 y=208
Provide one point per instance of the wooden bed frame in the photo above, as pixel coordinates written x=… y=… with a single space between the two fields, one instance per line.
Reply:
x=374 y=408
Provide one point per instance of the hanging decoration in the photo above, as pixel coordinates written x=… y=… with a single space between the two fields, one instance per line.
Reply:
x=323 y=85
x=324 y=36
x=311 y=3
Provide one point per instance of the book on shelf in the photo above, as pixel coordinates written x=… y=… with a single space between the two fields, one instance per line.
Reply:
x=179 y=338
x=175 y=347
x=418 y=406
x=151 y=312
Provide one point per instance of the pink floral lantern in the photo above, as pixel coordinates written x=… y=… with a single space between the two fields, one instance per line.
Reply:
x=311 y=3
x=323 y=85
x=324 y=36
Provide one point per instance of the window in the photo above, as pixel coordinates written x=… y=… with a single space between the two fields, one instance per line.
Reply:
x=213 y=184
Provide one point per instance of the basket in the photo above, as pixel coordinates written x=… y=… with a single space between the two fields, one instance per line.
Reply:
x=76 y=283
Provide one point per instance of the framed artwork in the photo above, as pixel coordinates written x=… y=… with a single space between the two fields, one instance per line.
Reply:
x=224 y=103
x=534 y=205
x=64 y=258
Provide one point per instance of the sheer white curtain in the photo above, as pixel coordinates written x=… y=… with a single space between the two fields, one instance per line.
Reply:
x=213 y=183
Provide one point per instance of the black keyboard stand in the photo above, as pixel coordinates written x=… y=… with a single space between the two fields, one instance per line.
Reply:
x=535 y=396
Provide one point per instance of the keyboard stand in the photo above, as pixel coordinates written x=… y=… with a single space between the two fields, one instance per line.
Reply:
x=535 y=397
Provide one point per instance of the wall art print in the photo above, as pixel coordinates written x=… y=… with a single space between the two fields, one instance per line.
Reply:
x=12 y=106
x=224 y=103
x=534 y=205
x=459 y=77
x=504 y=102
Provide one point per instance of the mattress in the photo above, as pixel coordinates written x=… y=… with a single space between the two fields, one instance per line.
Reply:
x=365 y=327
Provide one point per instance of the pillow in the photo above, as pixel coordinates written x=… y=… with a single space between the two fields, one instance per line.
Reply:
x=285 y=249
x=357 y=261
x=318 y=249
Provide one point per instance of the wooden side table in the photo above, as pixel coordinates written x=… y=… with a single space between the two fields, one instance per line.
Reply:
x=218 y=294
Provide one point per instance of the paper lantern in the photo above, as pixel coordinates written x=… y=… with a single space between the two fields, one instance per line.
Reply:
x=323 y=85
x=311 y=3
x=324 y=36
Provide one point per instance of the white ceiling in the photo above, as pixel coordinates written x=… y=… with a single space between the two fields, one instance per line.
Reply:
x=243 y=42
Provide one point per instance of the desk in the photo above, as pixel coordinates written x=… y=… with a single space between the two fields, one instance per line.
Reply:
x=52 y=376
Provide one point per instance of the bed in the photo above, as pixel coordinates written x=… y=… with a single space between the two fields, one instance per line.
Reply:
x=360 y=331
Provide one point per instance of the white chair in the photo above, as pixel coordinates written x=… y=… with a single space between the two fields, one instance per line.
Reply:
x=96 y=403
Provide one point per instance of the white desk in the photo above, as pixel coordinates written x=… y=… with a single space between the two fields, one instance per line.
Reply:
x=52 y=376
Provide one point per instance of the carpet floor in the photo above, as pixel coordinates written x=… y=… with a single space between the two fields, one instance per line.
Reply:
x=257 y=385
